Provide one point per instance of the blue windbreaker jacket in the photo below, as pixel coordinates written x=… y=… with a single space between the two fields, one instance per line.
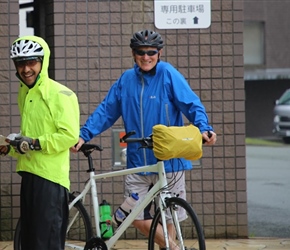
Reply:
x=144 y=100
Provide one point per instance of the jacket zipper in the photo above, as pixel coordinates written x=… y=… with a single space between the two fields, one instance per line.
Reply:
x=141 y=116
x=167 y=114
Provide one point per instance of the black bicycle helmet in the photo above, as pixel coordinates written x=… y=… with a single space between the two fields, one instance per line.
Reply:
x=146 y=38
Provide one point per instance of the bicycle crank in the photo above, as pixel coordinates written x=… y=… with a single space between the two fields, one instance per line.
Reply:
x=95 y=243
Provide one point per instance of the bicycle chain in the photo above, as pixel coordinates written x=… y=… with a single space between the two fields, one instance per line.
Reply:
x=96 y=243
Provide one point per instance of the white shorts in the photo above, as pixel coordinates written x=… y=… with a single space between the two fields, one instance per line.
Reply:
x=141 y=184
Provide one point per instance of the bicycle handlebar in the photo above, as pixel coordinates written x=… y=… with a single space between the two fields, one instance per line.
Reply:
x=147 y=142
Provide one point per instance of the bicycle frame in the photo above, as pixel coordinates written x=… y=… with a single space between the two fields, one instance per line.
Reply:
x=154 y=191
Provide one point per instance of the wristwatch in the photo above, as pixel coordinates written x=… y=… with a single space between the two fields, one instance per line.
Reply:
x=35 y=145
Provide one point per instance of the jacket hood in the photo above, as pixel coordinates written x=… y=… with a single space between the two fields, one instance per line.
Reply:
x=44 y=45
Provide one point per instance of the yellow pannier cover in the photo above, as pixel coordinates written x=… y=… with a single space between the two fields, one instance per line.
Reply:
x=177 y=142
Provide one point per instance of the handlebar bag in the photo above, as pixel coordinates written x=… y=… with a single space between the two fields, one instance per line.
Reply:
x=177 y=142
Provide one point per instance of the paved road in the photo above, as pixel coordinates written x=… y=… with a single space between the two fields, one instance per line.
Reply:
x=268 y=181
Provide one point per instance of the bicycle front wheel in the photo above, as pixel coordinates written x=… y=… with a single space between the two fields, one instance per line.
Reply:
x=79 y=229
x=188 y=234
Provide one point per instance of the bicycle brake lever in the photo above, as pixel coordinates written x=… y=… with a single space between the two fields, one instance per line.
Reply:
x=147 y=142
x=123 y=139
x=209 y=134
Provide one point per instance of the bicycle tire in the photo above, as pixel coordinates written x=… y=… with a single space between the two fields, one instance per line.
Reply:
x=191 y=229
x=17 y=239
x=80 y=231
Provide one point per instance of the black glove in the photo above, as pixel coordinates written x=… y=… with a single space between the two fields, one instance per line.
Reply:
x=23 y=144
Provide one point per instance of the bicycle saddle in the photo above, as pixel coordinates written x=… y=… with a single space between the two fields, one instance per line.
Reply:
x=87 y=149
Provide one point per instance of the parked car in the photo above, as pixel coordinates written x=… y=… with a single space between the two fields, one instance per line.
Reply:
x=282 y=117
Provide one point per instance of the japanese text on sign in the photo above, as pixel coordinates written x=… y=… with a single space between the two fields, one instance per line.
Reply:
x=182 y=14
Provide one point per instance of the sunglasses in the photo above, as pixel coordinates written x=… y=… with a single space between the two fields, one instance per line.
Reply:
x=29 y=63
x=146 y=52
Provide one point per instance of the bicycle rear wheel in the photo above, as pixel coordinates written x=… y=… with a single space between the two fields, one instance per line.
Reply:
x=17 y=239
x=189 y=237
x=79 y=229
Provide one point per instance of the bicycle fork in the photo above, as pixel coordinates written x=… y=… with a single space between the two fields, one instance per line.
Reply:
x=173 y=212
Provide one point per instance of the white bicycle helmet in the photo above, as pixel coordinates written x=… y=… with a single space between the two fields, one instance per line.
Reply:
x=26 y=48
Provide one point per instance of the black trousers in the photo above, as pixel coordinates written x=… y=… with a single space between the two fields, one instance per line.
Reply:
x=44 y=213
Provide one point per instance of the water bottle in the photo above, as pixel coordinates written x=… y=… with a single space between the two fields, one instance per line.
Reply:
x=106 y=220
x=126 y=208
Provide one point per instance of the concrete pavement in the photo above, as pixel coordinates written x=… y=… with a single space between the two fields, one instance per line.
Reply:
x=211 y=244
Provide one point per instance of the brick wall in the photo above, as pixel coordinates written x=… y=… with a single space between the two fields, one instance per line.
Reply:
x=90 y=49
x=270 y=85
x=9 y=118
x=277 y=37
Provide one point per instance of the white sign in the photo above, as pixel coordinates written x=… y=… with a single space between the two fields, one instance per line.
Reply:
x=184 y=14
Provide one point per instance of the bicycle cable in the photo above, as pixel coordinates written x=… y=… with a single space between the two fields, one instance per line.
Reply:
x=174 y=178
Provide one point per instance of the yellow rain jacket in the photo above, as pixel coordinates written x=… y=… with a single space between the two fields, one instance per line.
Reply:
x=49 y=112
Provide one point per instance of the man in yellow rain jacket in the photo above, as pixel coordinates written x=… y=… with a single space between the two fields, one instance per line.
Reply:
x=49 y=127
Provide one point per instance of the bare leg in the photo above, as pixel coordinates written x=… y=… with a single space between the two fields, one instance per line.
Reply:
x=171 y=231
x=144 y=227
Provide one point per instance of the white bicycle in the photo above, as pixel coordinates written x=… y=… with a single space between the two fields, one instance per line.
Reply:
x=80 y=233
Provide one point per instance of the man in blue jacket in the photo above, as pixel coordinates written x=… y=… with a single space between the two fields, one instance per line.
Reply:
x=152 y=92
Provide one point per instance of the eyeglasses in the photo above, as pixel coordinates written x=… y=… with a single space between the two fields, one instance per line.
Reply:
x=147 y=52
x=29 y=63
